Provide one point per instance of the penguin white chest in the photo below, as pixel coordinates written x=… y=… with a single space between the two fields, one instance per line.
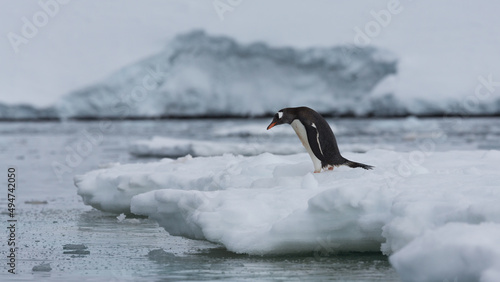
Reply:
x=301 y=132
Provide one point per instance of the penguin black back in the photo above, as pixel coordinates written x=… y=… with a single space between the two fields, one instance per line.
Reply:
x=316 y=136
x=320 y=137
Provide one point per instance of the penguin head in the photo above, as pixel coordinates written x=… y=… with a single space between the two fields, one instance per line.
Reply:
x=281 y=117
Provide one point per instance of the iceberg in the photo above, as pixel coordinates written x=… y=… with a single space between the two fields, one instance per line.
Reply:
x=198 y=75
x=24 y=111
x=202 y=75
x=417 y=207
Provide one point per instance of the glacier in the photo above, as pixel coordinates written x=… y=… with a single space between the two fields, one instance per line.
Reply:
x=202 y=75
x=24 y=111
x=416 y=207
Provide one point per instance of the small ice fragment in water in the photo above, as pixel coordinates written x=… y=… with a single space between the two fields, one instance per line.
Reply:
x=159 y=255
x=36 y=202
x=77 y=252
x=74 y=247
x=121 y=217
x=45 y=267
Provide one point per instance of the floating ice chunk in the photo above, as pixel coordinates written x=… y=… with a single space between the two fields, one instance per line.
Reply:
x=171 y=148
x=448 y=192
x=251 y=130
x=44 y=267
x=160 y=256
x=111 y=189
x=74 y=247
x=452 y=252
x=121 y=217
x=270 y=204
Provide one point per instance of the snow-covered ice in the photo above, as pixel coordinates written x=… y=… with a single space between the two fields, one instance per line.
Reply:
x=166 y=147
x=456 y=251
x=174 y=147
x=270 y=204
x=242 y=139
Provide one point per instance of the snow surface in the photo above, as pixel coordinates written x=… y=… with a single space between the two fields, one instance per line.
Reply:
x=452 y=252
x=417 y=207
x=172 y=147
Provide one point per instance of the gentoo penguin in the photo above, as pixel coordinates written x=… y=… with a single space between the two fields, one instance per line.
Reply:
x=316 y=136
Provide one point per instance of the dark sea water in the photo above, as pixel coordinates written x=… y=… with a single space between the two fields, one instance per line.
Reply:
x=50 y=215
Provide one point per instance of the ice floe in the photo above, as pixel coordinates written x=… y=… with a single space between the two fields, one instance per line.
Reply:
x=271 y=204
x=172 y=147
x=452 y=252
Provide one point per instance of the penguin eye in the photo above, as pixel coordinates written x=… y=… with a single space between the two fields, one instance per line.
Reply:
x=280 y=115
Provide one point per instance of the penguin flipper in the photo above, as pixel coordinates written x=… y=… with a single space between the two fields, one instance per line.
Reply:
x=314 y=144
x=355 y=164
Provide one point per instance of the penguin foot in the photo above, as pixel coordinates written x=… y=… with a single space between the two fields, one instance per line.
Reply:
x=317 y=171
x=330 y=168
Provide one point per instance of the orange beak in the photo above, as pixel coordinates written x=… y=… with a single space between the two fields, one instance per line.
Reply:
x=271 y=125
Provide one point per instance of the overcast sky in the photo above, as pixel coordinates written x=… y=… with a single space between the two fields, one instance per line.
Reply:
x=81 y=42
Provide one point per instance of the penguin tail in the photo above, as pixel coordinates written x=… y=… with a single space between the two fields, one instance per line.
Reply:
x=355 y=164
